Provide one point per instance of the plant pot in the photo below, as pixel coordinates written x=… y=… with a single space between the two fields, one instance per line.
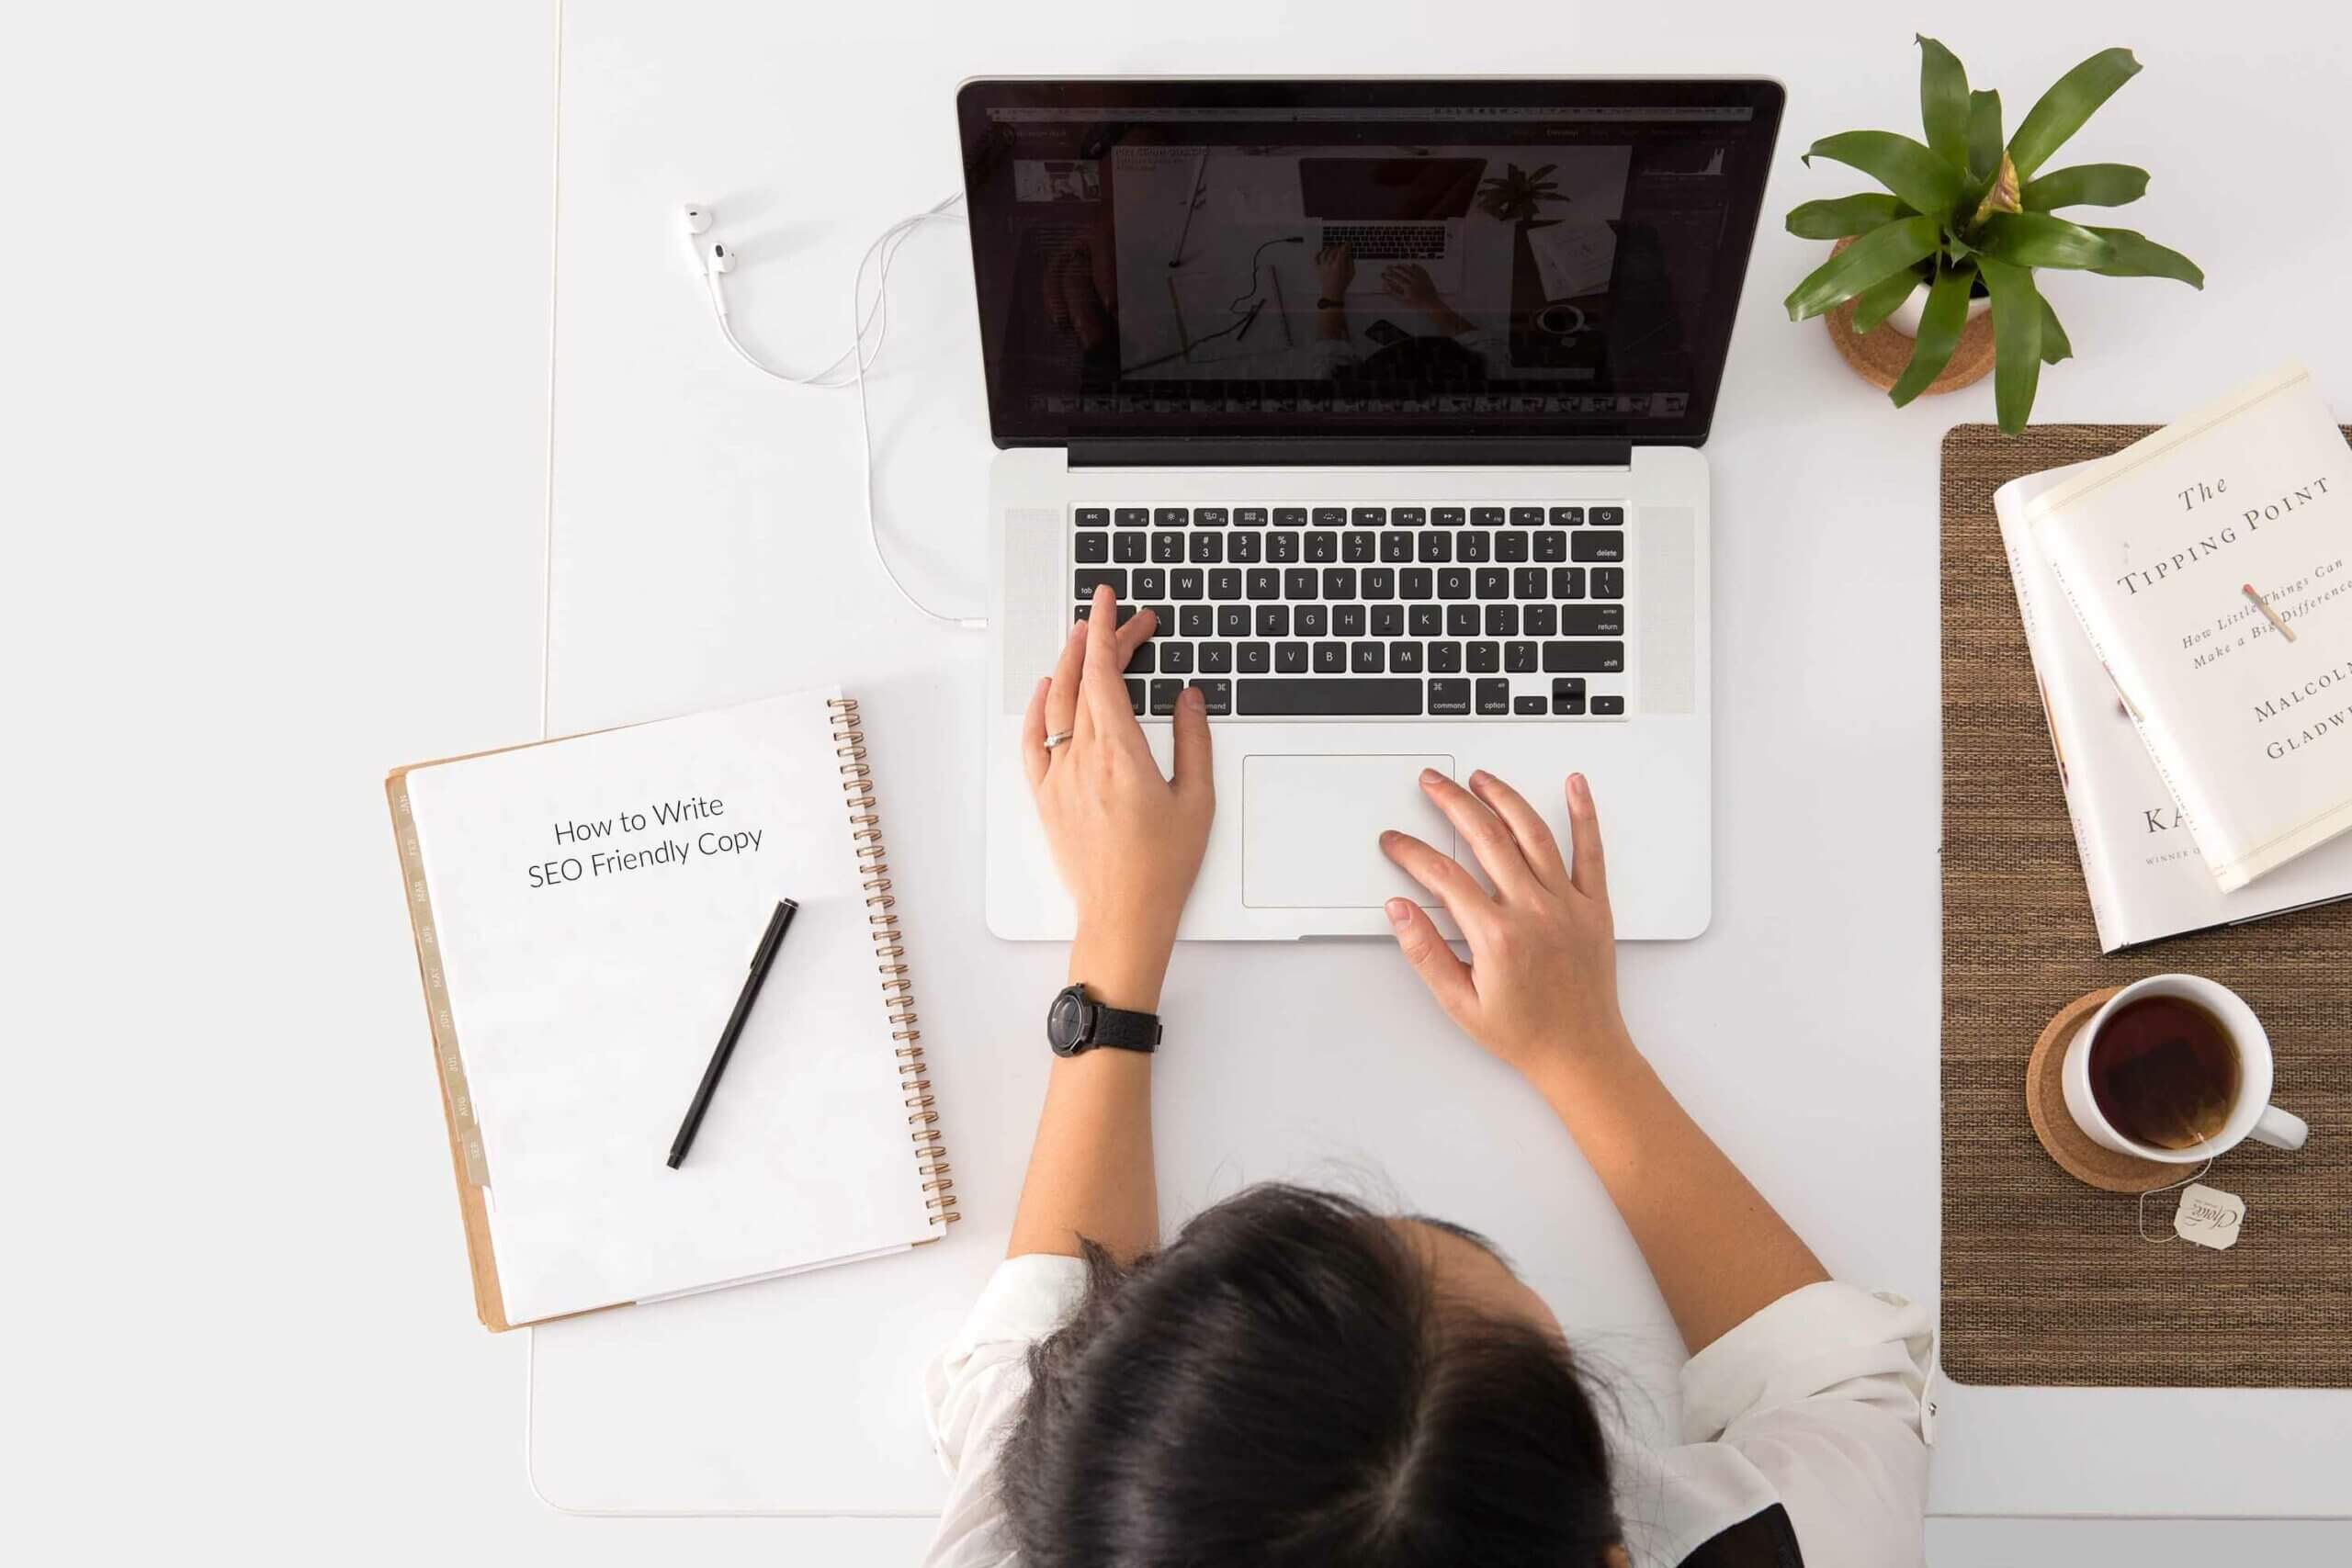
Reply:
x=1905 y=319
x=1880 y=355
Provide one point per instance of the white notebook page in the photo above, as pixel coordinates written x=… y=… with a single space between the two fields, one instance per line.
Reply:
x=588 y=988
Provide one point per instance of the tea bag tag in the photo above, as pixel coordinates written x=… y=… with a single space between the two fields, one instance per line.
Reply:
x=2209 y=1216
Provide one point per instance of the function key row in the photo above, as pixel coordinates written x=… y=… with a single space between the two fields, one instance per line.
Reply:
x=1351 y=516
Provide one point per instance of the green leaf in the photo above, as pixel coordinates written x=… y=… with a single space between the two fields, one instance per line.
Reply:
x=1886 y=249
x=2017 y=342
x=2071 y=100
x=1940 y=328
x=1943 y=102
x=1983 y=135
x=1923 y=180
x=2087 y=184
x=2135 y=255
x=2036 y=239
x=2054 y=347
x=1847 y=215
x=1877 y=302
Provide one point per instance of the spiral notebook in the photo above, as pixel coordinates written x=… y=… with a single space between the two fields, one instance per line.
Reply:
x=585 y=911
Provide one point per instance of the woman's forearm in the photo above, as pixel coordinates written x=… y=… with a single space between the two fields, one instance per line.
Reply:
x=1717 y=1249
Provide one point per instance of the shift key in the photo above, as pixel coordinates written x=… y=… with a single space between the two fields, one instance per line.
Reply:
x=1583 y=658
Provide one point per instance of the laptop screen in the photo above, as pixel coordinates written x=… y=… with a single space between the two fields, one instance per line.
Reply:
x=1374 y=260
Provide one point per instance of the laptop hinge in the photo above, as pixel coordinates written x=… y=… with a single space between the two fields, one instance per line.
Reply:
x=1447 y=452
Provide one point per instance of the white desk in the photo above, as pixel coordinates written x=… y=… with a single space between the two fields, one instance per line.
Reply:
x=706 y=550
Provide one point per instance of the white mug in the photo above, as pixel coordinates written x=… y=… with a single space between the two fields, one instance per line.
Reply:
x=2251 y=1114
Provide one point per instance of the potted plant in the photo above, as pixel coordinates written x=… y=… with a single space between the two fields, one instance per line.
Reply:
x=1965 y=216
x=1516 y=195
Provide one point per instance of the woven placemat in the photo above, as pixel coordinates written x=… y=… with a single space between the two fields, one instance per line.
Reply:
x=2045 y=1280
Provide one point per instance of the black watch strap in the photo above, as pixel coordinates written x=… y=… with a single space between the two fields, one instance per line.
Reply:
x=1127 y=1030
x=1328 y=303
x=1077 y=1024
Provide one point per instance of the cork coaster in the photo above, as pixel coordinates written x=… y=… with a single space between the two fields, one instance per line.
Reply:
x=1880 y=355
x=2045 y=1102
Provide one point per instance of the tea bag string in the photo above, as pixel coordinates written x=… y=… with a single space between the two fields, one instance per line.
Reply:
x=2171 y=1186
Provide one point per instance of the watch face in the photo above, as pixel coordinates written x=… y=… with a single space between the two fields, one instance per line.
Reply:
x=1066 y=1022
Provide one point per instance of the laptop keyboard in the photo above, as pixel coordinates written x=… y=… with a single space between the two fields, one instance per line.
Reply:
x=1433 y=611
x=1388 y=242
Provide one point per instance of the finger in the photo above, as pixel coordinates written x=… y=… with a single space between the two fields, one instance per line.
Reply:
x=1591 y=870
x=1061 y=702
x=1484 y=832
x=1535 y=841
x=1101 y=695
x=1193 y=779
x=1453 y=886
x=1033 y=755
x=1447 y=976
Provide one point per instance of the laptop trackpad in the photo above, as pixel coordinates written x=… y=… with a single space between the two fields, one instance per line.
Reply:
x=1311 y=826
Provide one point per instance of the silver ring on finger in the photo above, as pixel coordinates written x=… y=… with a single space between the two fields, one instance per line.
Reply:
x=1057 y=739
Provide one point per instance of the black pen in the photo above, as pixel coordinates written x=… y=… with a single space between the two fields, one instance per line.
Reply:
x=778 y=923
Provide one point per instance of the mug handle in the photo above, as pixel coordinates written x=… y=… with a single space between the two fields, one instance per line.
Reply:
x=2280 y=1129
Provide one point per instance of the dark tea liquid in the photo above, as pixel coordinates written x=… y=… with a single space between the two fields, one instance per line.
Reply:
x=2164 y=1072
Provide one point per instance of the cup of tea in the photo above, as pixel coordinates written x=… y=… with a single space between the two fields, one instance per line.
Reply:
x=2175 y=1069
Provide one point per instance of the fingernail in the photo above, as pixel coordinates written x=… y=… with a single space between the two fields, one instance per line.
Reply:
x=1430 y=776
x=1077 y=630
x=1387 y=836
x=1191 y=697
x=1101 y=592
x=1581 y=790
x=1400 y=914
x=1478 y=777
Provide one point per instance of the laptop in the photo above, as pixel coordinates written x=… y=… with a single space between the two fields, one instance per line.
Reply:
x=1453 y=519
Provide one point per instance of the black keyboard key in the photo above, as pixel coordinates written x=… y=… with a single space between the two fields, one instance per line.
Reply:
x=1322 y=548
x=1135 y=696
x=1284 y=699
x=1273 y=620
x=1494 y=698
x=1416 y=582
x=1330 y=517
x=1217 y=659
x=1540 y=620
x=1355 y=545
x=1150 y=582
x=1494 y=583
x=1379 y=583
x=1529 y=705
x=1473 y=545
x=1176 y=658
x=1368 y=659
x=1163 y=619
x=1143 y=661
x=1408 y=516
x=1593 y=620
x=1404 y=658
x=1396 y=546
x=1249 y=516
x=1567 y=707
x=1129 y=548
x=1169 y=517
x=1232 y=620
x=1608 y=582
x=1437 y=547
x=1330 y=657
x=1163 y=696
x=1185 y=583
x=1425 y=620
x=1609 y=517
x=1551 y=544
x=1290 y=517
x=1608 y=708
x=1243 y=549
x=1453 y=582
x=1526 y=516
x=1311 y=620
x=1510 y=545
x=1369 y=516
x=1568 y=686
x=1527 y=582
x=1486 y=517
x=1462 y=620
x=1208 y=549
x=1299 y=583
x=1255 y=659
x=1224 y=582
x=1216 y=697
x=1445 y=659
x=1133 y=517
x=1584 y=658
x=1568 y=516
x=1446 y=516
x=1502 y=620
x=1449 y=697
x=1567 y=583
x=1290 y=659
x=1095 y=549
x=1520 y=658
x=1388 y=620
x=1264 y=582
x=1346 y=620
x=1486 y=658
x=1598 y=546
x=1282 y=549
x=1093 y=517
x=1339 y=583
x=1208 y=516
x=1195 y=620
x=1085 y=582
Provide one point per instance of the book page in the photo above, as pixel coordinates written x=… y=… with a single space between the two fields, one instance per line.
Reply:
x=599 y=900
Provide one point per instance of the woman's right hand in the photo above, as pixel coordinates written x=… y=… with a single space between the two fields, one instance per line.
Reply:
x=1541 y=988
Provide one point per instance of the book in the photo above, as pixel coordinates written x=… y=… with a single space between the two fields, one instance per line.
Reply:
x=2211 y=567
x=2145 y=878
x=585 y=911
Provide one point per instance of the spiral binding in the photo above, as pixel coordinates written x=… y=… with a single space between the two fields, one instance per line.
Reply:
x=890 y=953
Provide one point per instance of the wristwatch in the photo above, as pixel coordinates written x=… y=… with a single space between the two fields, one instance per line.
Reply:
x=1328 y=303
x=1075 y=1023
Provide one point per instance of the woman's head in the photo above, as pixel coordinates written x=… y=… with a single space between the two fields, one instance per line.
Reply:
x=1296 y=1380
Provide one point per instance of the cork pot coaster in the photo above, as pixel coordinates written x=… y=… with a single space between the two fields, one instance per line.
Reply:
x=1880 y=355
x=2045 y=1102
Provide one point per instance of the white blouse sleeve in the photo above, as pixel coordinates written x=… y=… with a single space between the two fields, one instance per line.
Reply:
x=1822 y=1392
x=973 y=1390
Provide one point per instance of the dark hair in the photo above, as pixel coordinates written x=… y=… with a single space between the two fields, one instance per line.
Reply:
x=1283 y=1385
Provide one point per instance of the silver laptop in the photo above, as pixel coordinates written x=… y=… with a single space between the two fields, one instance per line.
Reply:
x=1446 y=513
